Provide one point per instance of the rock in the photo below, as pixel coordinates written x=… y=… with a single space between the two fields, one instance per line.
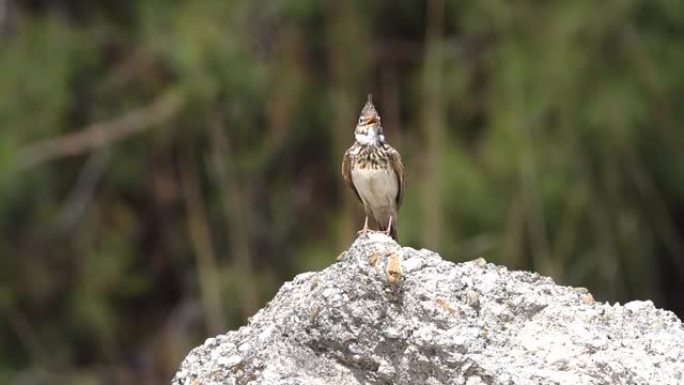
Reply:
x=390 y=315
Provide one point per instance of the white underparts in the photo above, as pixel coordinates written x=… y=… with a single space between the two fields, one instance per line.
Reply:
x=378 y=189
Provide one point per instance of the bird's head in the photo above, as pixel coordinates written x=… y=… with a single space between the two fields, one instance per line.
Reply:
x=368 y=129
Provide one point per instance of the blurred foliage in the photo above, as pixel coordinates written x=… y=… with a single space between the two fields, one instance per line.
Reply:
x=544 y=135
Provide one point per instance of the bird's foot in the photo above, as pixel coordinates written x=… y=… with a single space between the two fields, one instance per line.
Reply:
x=364 y=231
x=388 y=231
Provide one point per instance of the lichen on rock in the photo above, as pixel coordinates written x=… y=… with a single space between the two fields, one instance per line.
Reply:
x=384 y=314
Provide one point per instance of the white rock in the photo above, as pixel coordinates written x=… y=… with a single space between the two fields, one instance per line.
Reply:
x=430 y=329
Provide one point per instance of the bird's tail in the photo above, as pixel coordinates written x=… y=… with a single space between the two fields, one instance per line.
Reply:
x=385 y=220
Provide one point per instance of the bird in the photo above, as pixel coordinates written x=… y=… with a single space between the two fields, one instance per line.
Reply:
x=374 y=171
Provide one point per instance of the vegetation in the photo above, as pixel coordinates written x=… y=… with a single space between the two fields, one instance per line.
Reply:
x=166 y=165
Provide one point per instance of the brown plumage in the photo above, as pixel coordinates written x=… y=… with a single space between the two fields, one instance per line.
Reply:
x=373 y=170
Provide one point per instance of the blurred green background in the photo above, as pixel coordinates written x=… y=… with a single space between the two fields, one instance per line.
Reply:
x=166 y=165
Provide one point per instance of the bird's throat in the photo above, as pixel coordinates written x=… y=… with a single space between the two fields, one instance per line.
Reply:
x=367 y=140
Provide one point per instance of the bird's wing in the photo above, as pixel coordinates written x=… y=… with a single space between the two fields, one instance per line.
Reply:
x=398 y=168
x=346 y=173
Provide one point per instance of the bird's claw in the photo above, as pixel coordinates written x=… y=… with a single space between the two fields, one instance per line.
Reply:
x=363 y=232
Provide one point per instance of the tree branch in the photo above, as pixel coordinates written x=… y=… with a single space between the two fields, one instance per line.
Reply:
x=99 y=134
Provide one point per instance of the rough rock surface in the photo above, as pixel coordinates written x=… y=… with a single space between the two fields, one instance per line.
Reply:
x=389 y=315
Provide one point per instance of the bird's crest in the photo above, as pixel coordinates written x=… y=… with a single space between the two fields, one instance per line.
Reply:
x=369 y=114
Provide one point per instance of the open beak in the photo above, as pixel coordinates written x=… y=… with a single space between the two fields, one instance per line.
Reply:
x=373 y=119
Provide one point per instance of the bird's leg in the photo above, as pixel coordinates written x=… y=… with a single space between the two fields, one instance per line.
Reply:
x=389 y=227
x=364 y=231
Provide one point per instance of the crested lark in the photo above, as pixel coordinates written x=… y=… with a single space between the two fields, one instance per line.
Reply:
x=373 y=170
